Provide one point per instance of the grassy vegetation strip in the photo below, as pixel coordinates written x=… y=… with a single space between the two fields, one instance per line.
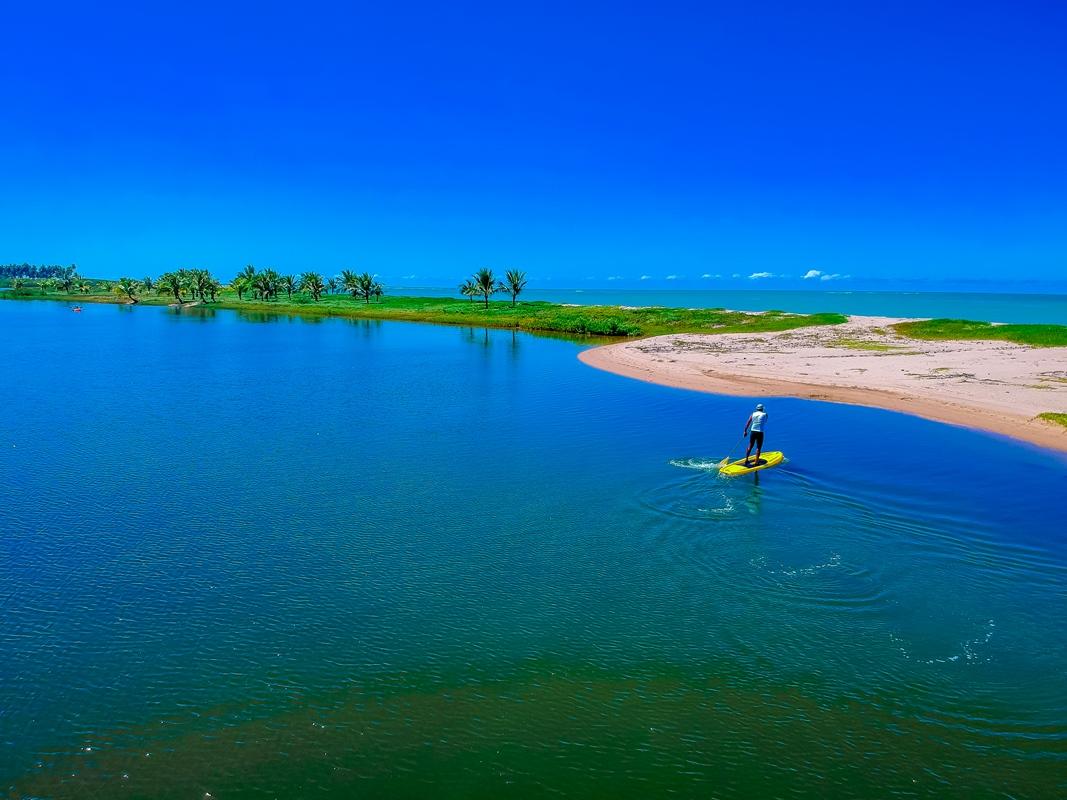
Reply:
x=949 y=329
x=1054 y=416
x=531 y=316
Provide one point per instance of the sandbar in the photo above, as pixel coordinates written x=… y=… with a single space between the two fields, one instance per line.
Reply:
x=989 y=385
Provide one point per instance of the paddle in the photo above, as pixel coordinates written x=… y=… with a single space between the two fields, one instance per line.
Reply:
x=726 y=460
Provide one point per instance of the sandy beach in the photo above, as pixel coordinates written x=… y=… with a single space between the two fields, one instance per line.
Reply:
x=994 y=386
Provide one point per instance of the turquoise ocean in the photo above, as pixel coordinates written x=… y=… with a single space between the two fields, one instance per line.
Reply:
x=253 y=555
x=986 y=307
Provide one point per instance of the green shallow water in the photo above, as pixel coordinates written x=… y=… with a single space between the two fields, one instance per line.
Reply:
x=253 y=556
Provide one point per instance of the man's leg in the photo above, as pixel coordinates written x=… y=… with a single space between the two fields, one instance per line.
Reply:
x=759 y=448
x=749 y=451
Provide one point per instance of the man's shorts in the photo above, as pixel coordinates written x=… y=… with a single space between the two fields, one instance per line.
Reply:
x=756 y=438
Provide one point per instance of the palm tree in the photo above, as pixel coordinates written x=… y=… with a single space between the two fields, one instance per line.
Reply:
x=147 y=283
x=332 y=285
x=362 y=285
x=127 y=287
x=84 y=286
x=245 y=281
x=311 y=282
x=366 y=286
x=199 y=280
x=350 y=281
x=65 y=282
x=379 y=290
x=16 y=285
x=274 y=282
x=204 y=279
x=485 y=284
x=514 y=283
x=289 y=284
x=185 y=276
x=262 y=285
x=213 y=288
x=172 y=283
x=468 y=289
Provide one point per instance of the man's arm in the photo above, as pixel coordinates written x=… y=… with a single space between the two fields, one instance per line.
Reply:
x=747 y=423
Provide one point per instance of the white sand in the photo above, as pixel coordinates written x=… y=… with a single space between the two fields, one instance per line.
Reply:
x=995 y=386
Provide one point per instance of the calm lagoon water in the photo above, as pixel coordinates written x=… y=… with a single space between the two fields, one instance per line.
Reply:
x=254 y=556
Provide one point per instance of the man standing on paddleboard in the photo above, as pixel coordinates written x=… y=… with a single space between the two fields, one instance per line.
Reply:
x=756 y=420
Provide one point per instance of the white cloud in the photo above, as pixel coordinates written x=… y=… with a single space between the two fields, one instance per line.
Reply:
x=755 y=276
x=409 y=277
x=614 y=277
x=736 y=275
x=645 y=277
x=672 y=277
x=706 y=275
x=812 y=273
x=832 y=277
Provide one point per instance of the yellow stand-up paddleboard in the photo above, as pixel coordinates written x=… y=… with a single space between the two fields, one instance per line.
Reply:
x=771 y=458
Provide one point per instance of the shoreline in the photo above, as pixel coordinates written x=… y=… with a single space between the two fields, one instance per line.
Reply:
x=814 y=368
x=580 y=322
x=992 y=385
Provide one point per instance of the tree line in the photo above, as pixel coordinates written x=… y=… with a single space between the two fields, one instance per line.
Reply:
x=268 y=284
x=35 y=272
x=186 y=285
x=68 y=282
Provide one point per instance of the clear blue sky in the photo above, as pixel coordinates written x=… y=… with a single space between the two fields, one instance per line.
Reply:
x=888 y=142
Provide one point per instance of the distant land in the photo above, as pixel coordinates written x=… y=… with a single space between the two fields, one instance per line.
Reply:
x=1010 y=378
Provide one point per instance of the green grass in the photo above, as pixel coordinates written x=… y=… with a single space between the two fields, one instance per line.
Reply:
x=609 y=321
x=1054 y=416
x=1034 y=335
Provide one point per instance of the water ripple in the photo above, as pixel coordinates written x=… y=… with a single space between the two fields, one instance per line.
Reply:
x=404 y=562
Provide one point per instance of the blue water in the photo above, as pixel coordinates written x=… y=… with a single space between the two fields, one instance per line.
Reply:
x=1020 y=308
x=250 y=555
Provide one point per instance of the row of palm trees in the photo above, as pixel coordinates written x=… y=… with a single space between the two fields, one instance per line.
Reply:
x=198 y=284
x=68 y=283
x=484 y=284
x=267 y=284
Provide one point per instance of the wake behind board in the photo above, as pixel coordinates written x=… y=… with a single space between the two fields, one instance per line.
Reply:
x=769 y=459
